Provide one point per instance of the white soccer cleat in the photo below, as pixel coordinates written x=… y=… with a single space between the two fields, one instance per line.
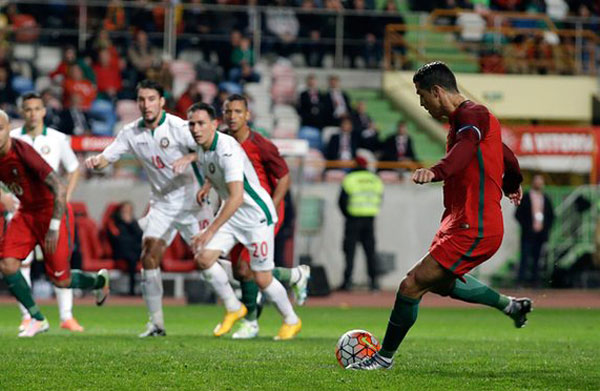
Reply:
x=35 y=327
x=102 y=293
x=372 y=363
x=153 y=330
x=24 y=324
x=300 y=287
x=248 y=329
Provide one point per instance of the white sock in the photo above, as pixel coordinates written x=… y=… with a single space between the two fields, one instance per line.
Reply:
x=228 y=267
x=152 y=290
x=217 y=278
x=26 y=272
x=295 y=275
x=64 y=298
x=276 y=293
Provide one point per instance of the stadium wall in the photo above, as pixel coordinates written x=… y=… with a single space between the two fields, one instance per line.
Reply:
x=408 y=220
x=514 y=97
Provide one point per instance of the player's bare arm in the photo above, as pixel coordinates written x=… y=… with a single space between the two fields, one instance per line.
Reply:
x=60 y=204
x=283 y=185
x=422 y=175
x=203 y=192
x=97 y=162
x=236 y=197
x=181 y=164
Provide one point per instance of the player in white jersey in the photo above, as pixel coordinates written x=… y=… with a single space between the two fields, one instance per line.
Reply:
x=55 y=149
x=247 y=215
x=157 y=140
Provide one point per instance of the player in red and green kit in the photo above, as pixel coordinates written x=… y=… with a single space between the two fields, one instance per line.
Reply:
x=476 y=170
x=43 y=218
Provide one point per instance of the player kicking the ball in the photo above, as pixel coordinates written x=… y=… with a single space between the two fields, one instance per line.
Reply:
x=247 y=216
x=157 y=140
x=43 y=218
x=477 y=168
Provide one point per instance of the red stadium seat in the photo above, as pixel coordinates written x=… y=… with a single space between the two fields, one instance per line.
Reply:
x=92 y=257
x=178 y=257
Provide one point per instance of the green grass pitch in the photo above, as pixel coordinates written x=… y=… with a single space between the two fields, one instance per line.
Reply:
x=447 y=349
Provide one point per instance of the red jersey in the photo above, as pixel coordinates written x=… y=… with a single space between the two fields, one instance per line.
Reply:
x=472 y=172
x=23 y=171
x=266 y=160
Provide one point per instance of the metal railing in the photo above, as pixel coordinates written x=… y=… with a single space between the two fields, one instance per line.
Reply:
x=520 y=39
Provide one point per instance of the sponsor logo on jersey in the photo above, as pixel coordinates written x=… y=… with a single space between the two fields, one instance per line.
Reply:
x=211 y=168
x=45 y=150
x=164 y=142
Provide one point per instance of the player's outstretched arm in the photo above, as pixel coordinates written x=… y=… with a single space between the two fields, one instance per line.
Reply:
x=422 y=175
x=97 y=162
x=181 y=164
x=60 y=203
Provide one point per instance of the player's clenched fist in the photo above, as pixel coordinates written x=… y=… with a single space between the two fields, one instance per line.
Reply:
x=96 y=162
x=422 y=175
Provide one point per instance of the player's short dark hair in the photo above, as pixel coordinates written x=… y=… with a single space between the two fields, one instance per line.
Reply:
x=29 y=95
x=201 y=106
x=151 y=85
x=237 y=97
x=435 y=73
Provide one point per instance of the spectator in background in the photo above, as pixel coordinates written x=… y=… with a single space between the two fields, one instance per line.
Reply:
x=361 y=29
x=360 y=202
x=53 y=109
x=360 y=118
x=310 y=29
x=141 y=17
x=310 y=104
x=336 y=104
x=125 y=237
x=342 y=146
x=74 y=119
x=242 y=59
x=188 y=98
x=75 y=84
x=161 y=73
x=368 y=138
x=109 y=78
x=70 y=58
x=398 y=147
x=115 y=18
x=141 y=56
x=283 y=27
x=8 y=96
x=535 y=214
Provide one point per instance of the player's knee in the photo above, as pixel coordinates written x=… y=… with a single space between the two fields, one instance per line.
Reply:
x=9 y=266
x=263 y=279
x=408 y=286
x=62 y=283
x=203 y=260
x=242 y=271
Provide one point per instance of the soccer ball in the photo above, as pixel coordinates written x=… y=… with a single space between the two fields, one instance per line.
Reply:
x=355 y=346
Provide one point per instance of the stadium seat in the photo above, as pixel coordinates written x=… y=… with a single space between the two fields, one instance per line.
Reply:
x=208 y=90
x=24 y=51
x=314 y=166
x=103 y=117
x=127 y=110
x=312 y=135
x=183 y=74
x=327 y=132
x=91 y=248
x=178 y=257
x=47 y=59
x=284 y=111
x=107 y=225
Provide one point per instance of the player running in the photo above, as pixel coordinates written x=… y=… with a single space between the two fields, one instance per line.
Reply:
x=157 y=140
x=55 y=148
x=43 y=218
x=477 y=168
x=273 y=174
x=247 y=215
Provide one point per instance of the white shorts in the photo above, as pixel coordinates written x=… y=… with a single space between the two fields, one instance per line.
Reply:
x=258 y=240
x=163 y=225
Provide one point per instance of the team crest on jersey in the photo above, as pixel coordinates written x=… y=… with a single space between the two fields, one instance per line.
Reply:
x=45 y=150
x=164 y=142
x=211 y=168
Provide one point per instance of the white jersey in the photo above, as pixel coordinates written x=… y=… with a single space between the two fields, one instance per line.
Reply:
x=53 y=146
x=157 y=150
x=225 y=161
